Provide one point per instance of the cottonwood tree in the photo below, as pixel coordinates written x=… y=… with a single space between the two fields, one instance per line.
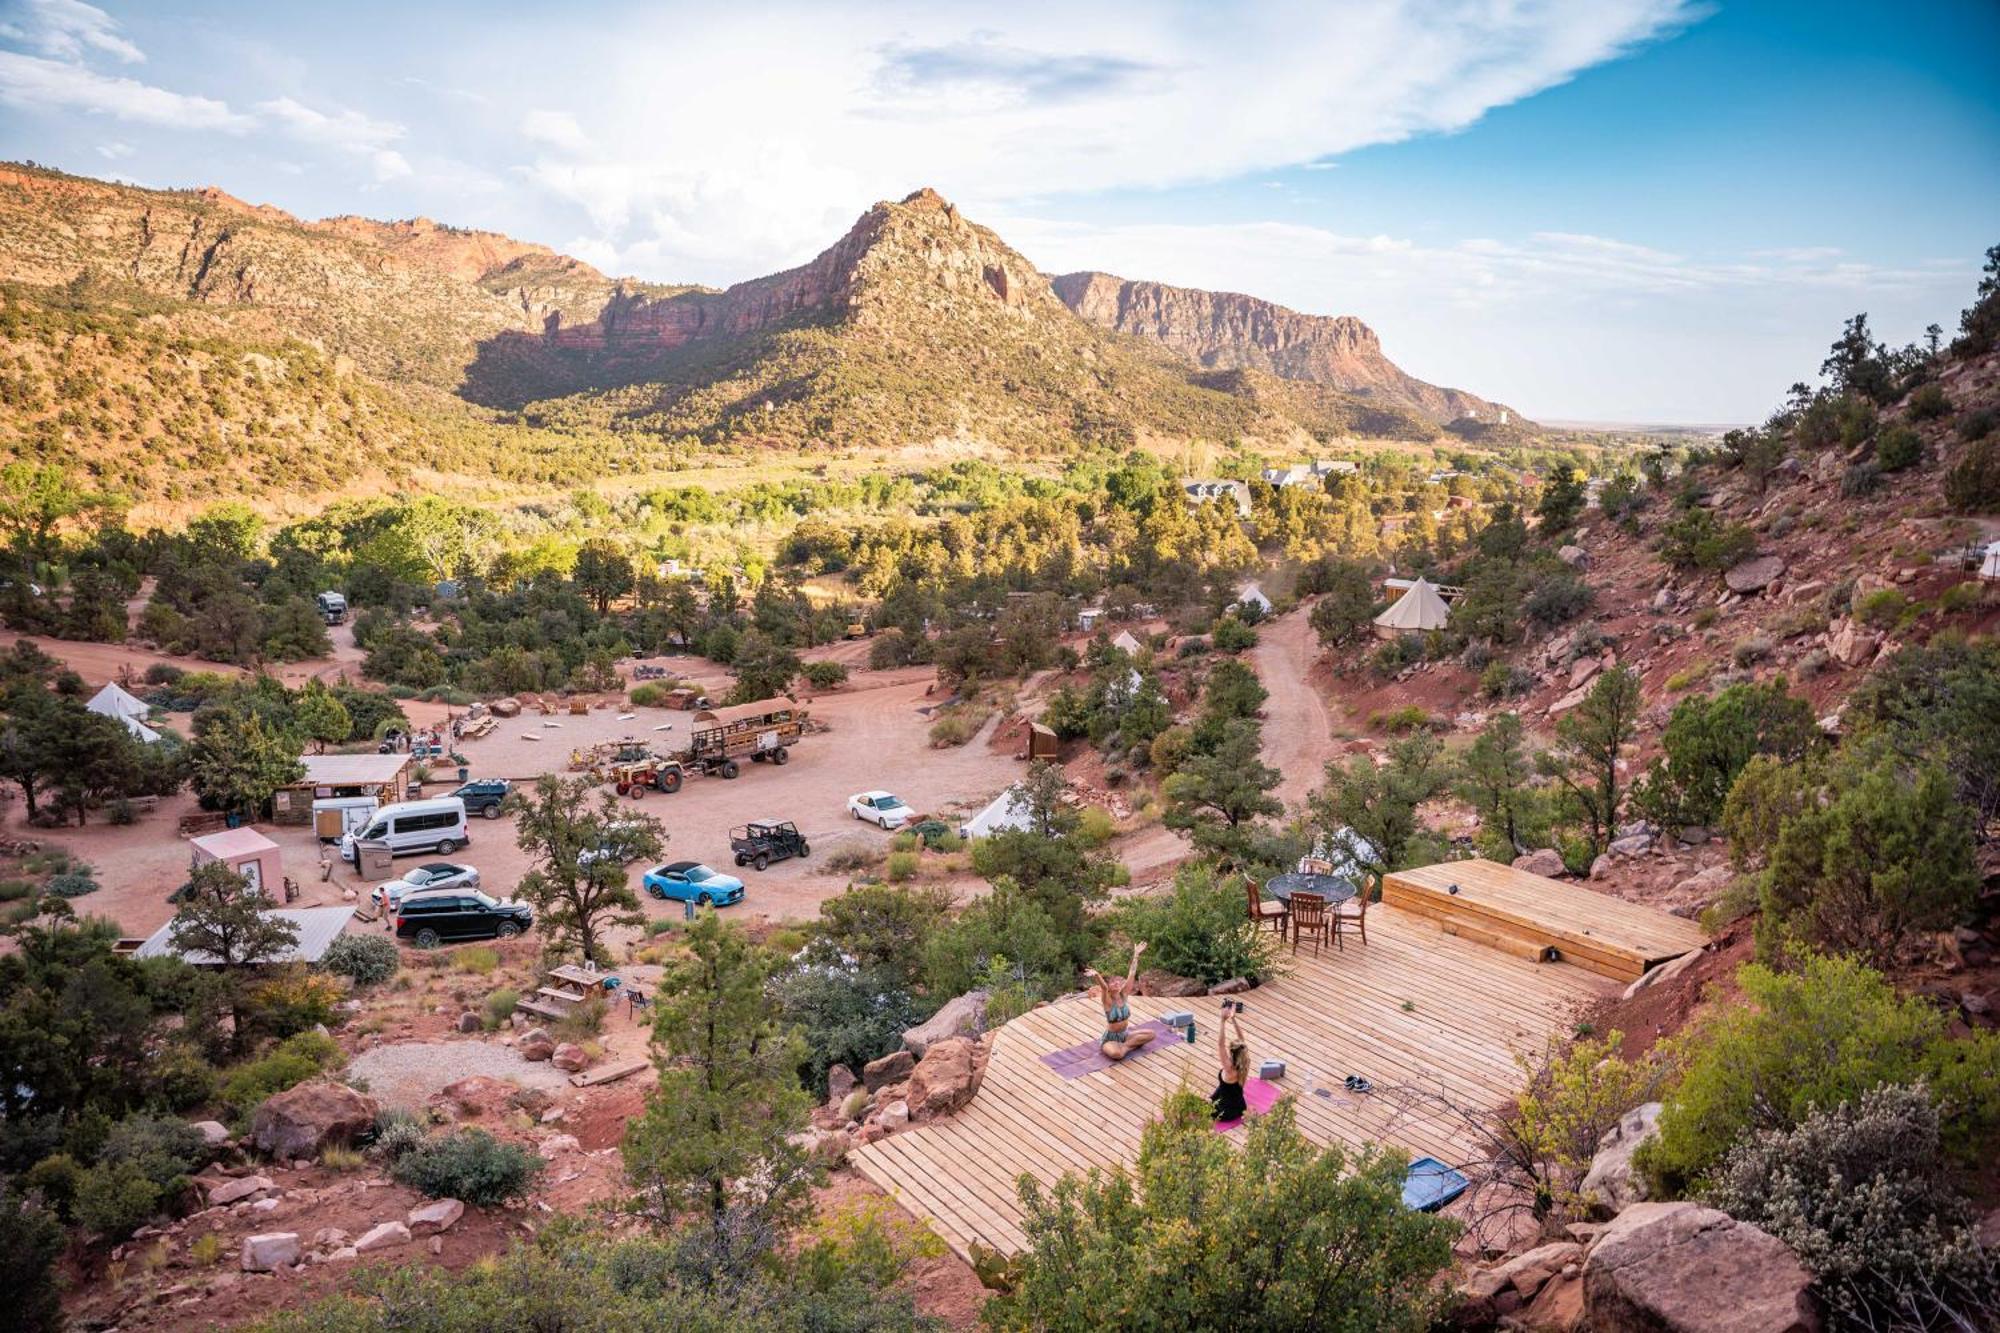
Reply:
x=715 y=1141
x=322 y=717
x=238 y=761
x=1584 y=759
x=579 y=841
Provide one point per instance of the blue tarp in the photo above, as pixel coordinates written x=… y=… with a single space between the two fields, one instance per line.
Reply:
x=1429 y=1185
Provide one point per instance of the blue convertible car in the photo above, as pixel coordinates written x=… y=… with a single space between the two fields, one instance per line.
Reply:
x=691 y=881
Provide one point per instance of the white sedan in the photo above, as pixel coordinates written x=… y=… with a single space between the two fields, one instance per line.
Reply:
x=432 y=875
x=880 y=807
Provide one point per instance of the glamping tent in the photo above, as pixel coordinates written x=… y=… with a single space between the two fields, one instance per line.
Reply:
x=1415 y=612
x=1989 y=568
x=1252 y=595
x=116 y=702
x=1124 y=642
x=1009 y=810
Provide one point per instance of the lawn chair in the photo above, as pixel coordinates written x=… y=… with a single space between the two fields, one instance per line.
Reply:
x=1309 y=917
x=1264 y=910
x=1352 y=915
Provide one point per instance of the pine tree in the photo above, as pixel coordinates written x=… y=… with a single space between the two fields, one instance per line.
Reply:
x=579 y=849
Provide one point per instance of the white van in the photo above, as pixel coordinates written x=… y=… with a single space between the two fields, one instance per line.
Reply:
x=334 y=817
x=412 y=826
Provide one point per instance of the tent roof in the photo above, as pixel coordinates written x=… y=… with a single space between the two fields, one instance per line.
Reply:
x=1008 y=810
x=1123 y=640
x=1250 y=592
x=350 y=770
x=232 y=843
x=114 y=700
x=1418 y=609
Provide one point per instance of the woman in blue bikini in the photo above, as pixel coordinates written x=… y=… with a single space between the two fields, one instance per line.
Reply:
x=1116 y=995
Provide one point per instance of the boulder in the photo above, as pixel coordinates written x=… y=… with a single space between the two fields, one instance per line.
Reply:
x=506 y=707
x=1168 y=986
x=1547 y=862
x=1635 y=845
x=213 y=1132
x=438 y=1215
x=1524 y=1276
x=891 y=1068
x=1602 y=865
x=329 y=1238
x=1581 y=671
x=1611 y=1177
x=271 y=1251
x=1755 y=574
x=1574 y=556
x=963 y=1016
x=557 y=1143
x=895 y=1116
x=480 y=1095
x=1230 y=986
x=537 y=1046
x=945 y=1078
x=234 y=1191
x=469 y=1022
x=1683 y=1268
x=382 y=1236
x=301 y=1121
x=569 y=1057
x=840 y=1081
x=1854 y=646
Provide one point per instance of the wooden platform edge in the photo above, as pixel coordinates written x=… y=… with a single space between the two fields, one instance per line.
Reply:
x=590 y=1078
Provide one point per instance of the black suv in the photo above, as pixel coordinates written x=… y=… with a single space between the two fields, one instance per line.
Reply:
x=448 y=915
x=483 y=796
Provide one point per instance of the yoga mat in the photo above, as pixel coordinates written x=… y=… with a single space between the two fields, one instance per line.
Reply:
x=1088 y=1057
x=1259 y=1096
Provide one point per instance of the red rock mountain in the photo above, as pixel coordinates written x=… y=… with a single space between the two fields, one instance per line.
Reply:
x=1230 y=331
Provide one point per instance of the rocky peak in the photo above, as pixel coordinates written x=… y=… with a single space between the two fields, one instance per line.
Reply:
x=1231 y=331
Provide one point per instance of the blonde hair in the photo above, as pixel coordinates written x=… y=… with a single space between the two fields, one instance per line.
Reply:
x=1239 y=1055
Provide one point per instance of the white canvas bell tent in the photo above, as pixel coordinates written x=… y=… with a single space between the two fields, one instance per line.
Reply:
x=116 y=702
x=1416 y=611
x=1009 y=810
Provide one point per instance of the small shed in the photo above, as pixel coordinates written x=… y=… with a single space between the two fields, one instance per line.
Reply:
x=318 y=928
x=1042 y=742
x=1418 y=611
x=244 y=850
x=115 y=701
x=383 y=776
x=1087 y=618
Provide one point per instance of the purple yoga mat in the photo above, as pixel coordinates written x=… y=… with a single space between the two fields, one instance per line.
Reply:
x=1259 y=1096
x=1087 y=1057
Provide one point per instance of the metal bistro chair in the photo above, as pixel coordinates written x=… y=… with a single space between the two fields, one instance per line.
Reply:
x=1309 y=917
x=1263 y=910
x=1352 y=915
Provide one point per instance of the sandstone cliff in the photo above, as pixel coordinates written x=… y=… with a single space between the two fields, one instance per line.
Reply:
x=1230 y=331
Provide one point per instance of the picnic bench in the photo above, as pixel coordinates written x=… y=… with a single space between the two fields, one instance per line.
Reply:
x=564 y=988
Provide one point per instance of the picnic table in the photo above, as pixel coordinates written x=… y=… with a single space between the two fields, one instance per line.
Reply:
x=569 y=985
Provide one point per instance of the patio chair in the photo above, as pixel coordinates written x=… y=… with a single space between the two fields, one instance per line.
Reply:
x=1352 y=915
x=1315 y=865
x=1264 y=910
x=1309 y=917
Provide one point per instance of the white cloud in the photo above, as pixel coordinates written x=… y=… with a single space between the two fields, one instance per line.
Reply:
x=344 y=130
x=34 y=84
x=115 y=150
x=68 y=30
x=811 y=112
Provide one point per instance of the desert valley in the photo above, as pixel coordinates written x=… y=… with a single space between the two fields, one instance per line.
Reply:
x=531 y=798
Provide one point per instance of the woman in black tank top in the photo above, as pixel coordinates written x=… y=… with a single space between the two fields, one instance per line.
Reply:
x=1232 y=1055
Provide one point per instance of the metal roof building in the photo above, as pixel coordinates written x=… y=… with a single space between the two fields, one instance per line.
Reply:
x=318 y=927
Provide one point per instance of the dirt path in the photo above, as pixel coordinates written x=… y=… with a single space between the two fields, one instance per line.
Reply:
x=1298 y=727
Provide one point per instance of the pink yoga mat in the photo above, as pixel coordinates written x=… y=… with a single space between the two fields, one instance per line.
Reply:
x=1259 y=1096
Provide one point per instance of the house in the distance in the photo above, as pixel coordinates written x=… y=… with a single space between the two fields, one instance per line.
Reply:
x=1314 y=473
x=1201 y=491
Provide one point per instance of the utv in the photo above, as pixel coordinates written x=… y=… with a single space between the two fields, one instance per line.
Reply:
x=771 y=840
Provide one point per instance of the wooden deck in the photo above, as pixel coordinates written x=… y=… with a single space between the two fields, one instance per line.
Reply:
x=1513 y=910
x=1471 y=1009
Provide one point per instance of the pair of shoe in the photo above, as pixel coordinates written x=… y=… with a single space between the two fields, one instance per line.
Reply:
x=1356 y=1083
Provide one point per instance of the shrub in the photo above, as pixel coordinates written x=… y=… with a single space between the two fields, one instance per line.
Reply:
x=848 y=1014
x=368 y=960
x=824 y=675
x=1408 y=718
x=1698 y=540
x=1275 y=1235
x=1094 y=826
x=1881 y=608
x=500 y=1006
x=649 y=695
x=1859 y=1193
x=163 y=673
x=1233 y=636
x=1558 y=599
x=478 y=962
x=55 y=1179
x=901 y=866
x=292 y=1000
x=207 y=1249
x=1570 y=1099
x=1199 y=928
x=1972 y=484
x=470 y=1165
x=1752 y=648
x=583 y=1020
x=1825 y=1034
x=74 y=882
x=397 y=1134
x=341 y=1159
x=1928 y=403
x=179 y=1078
x=958 y=724
x=1897 y=448
x=295 y=1060
x=1860 y=479
x=1501 y=681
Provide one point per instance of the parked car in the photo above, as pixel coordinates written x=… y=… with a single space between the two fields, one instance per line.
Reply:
x=484 y=796
x=450 y=915
x=880 y=807
x=614 y=845
x=425 y=878
x=691 y=881
x=758 y=844
x=412 y=826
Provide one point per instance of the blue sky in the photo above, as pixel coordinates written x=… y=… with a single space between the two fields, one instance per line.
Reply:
x=1633 y=210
